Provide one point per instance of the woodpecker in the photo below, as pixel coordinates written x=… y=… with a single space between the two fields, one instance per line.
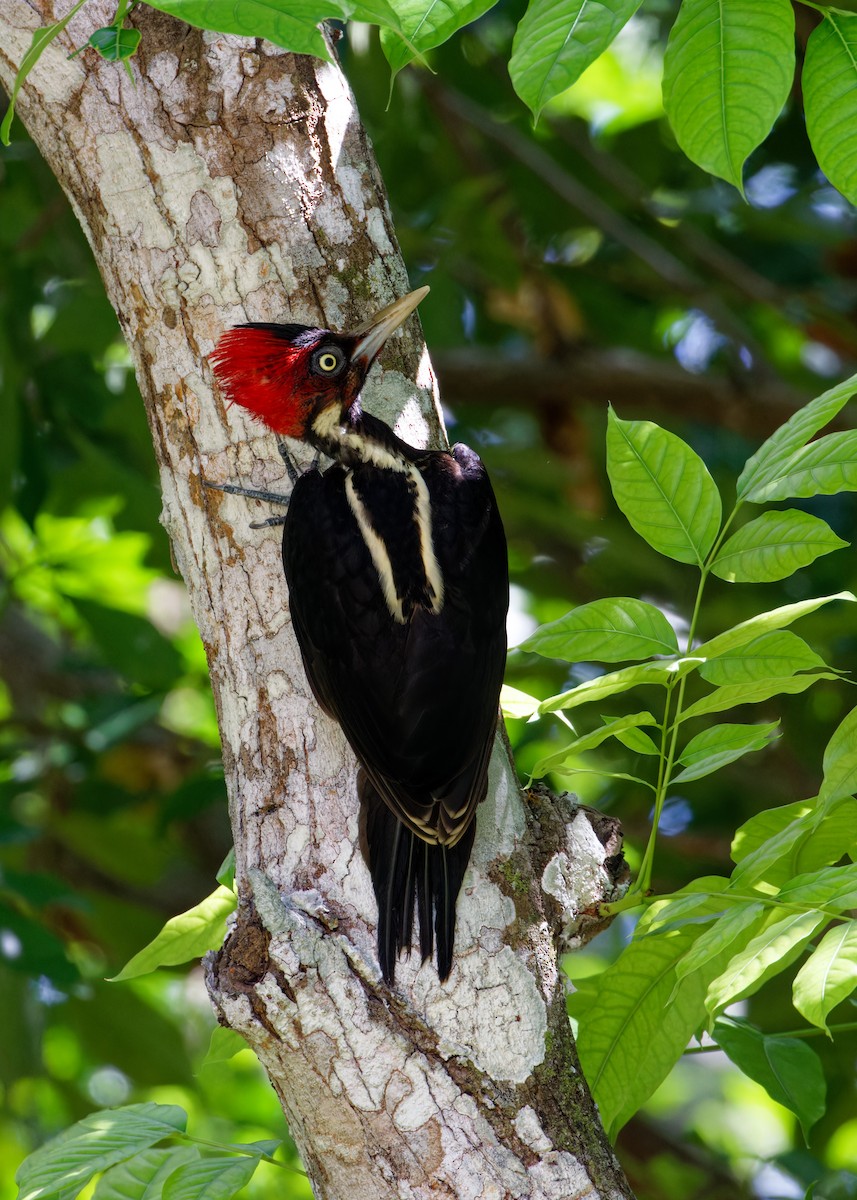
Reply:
x=395 y=560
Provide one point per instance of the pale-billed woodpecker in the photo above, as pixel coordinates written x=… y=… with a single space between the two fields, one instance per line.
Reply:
x=395 y=560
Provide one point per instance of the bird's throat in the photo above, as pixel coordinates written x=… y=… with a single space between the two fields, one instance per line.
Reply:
x=353 y=439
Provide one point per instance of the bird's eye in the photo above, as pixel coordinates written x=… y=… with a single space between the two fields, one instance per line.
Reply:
x=328 y=362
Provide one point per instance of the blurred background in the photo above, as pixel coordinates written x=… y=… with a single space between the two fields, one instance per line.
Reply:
x=580 y=263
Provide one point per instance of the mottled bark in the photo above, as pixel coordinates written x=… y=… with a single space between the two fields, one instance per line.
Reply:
x=232 y=181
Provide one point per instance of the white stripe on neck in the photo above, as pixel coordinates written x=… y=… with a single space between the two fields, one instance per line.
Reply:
x=377 y=550
x=329 y=427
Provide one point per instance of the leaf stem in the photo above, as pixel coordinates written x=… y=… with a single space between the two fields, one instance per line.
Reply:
x=643 y=882
x=229 y=1148
x=809 y=1032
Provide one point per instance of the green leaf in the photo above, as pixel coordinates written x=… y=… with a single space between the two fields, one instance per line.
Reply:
x=771 y=462
x=766 y=858
x=226 y=871
x=215 y=1178
x=187 y=936
x=66 y=1163
x=641 y=1017
x=517 y=705
x=690 y=904
x=774 y=655
x=663 y=488
x=830 y=888
x=42 y=38
x=424 y=24
x=292 y=24
x=634 y=739
x=829 y=84
x=788 y=1069
x=823 y=468
x=846 y=6
x=224 y=1044
x=840 y=761
x=142 y=1177
x=777 y=618
x=774 y=546
x=719 y=745
x=114 y=43
x=556 y=40
x=613 y=630
x=780 y=843
x=829 y=976
x=567 y=756
x=733 y=694
x=620 y=681
x=769 y=953
x=728 y=70
x=738 y=924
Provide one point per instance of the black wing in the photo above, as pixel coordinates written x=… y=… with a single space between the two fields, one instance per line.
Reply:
x=416 y=700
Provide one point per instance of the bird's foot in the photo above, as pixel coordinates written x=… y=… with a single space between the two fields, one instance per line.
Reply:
x=291 y=470
x=235 y=489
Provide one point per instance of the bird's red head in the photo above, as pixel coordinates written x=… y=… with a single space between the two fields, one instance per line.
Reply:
x=286 y=375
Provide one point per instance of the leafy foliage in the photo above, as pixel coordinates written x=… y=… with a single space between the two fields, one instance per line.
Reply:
x=728 y=68
x=761 y=920
x=593 y=236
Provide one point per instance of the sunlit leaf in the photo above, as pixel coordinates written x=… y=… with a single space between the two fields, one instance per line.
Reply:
x=215 y=1178
x=829 y=85
x=142 y=1177
x=772 y=460
x=823 y=468
x=424 y=24
x=729 y=932
x=692 y=903
x=770 y=952
x=640 y=1016
x=556 y=40
x=635 y=740
x=840 y=760
x=777 y=618
x=613 y=630
x=774 y=655
x=829 y=976
x=727 y=73
x=567 y=756
x=774 y=546
x=226 y=871
x=620 y=681
x=833 y=888
x=187 y=936
x=517 y=705
x=780 y=843
x=663 y=488
x=787 y=1068
x=94 y=1144
x=224 y=1045
x=732 y=694
x=765 y=856
x=719 y=745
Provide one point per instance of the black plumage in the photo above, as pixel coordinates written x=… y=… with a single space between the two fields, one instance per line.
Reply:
x=395 y=560
x=416 y=698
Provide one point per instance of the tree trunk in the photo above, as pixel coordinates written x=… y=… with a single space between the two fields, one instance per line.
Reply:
x=231 y=181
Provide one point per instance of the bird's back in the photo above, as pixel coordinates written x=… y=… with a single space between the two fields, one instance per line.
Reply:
x=398 y=588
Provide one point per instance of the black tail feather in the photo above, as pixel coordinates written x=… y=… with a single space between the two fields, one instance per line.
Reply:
x=404 y=869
